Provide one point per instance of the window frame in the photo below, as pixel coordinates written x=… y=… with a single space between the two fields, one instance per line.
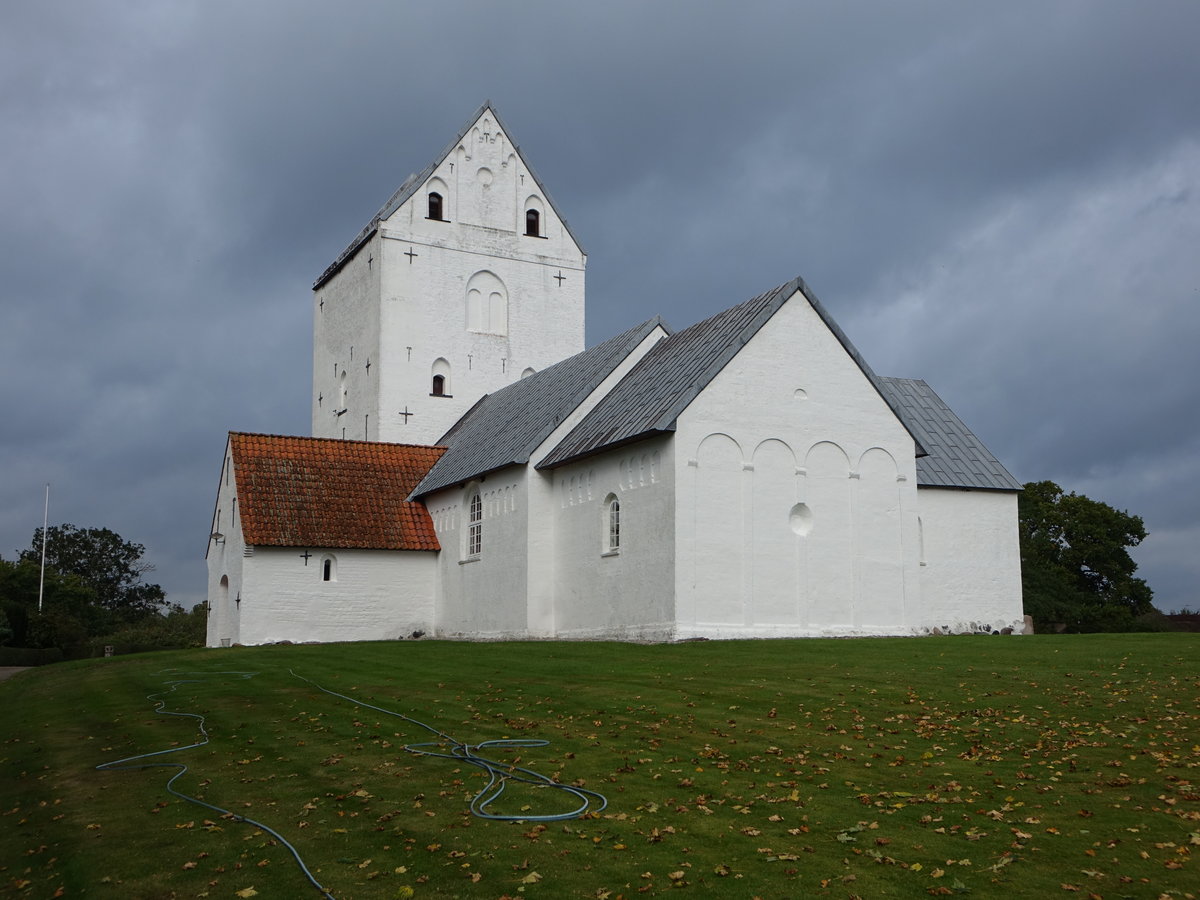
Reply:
x=474 y=530
x=435 y=198
x=611 y=526
x=533 y=217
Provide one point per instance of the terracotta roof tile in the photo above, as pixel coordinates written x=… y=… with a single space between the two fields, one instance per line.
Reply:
x=320 y=492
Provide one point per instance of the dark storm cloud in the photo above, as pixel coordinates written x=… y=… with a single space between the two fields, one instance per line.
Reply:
x=1002 y=200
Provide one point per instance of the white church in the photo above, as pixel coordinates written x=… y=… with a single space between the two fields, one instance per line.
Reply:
x=475 y=472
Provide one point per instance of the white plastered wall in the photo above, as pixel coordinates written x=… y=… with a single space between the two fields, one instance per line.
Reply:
x=403 y=300
x=346 y=328
x=374 y=595
x=627 y=594
x=482 y=596
x=796 y=494
x=971 y=572
x=225 y=561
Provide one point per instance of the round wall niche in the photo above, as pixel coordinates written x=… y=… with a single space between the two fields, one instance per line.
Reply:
x=485 y=176
x=801 y=519
x=800 y=394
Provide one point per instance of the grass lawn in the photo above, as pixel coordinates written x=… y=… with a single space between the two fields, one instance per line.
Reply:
x=1041 y=766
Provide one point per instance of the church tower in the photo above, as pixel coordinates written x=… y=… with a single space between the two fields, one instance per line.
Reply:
x=465 y=281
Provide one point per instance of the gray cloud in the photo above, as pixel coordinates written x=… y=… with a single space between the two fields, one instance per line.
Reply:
x=1002 y=200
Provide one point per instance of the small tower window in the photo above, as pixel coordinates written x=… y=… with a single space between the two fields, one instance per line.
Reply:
x=440 y=374
x=435 y=206
x=533 y=223
x=329 y=569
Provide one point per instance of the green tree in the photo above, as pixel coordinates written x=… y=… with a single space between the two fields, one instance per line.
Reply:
x=1075 y=562
x=110 y=566
x=69 y=611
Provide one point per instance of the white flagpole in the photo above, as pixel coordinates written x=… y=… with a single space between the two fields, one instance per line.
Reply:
x=45 y=522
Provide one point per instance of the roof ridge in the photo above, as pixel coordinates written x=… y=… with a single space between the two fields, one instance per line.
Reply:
x=306 y=437
x=662 y=417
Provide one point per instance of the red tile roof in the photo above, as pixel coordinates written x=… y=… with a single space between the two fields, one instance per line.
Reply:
x=320 y=492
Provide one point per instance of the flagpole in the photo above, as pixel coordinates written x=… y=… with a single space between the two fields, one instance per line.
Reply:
x=45 y=522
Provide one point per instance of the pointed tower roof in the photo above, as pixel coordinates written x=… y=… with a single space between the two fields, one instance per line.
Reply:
x=414 y=182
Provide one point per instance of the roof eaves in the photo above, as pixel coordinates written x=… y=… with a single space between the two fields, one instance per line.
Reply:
x=555 y=463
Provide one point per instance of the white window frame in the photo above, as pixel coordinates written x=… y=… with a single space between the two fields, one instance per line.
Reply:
x=474 y=529
x=611 y=526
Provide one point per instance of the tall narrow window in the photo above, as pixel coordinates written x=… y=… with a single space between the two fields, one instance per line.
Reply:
x=435 y=206
x=475 y=525
x=533 y=223
x=614 y=524
x=329 y=569
x=439 y=386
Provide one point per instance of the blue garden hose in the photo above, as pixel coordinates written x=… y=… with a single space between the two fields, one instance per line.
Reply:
x=499 y=773
x=131 y=762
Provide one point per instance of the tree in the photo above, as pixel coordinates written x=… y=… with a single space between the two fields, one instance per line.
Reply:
x=1075 y=562
x=109 y=565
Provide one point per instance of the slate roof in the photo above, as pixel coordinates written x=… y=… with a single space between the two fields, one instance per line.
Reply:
x=413 y=183
x=662 y=385
x=506 y=426
x=956 y=457
x=320 y=492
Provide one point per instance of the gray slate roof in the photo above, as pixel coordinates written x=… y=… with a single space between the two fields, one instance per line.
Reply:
x=662 y=385
x=956 y=457
x=413 y=183
x=506 y=426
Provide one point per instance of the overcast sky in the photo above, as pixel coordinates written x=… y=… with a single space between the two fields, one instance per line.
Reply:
x=1000 y=198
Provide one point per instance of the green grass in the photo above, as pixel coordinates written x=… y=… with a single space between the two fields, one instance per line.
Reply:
x=1038 y=767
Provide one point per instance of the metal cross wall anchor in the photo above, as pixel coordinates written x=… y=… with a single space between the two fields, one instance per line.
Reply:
x=306 y=556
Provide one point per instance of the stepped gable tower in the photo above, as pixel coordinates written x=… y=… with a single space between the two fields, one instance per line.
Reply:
x=466 y=280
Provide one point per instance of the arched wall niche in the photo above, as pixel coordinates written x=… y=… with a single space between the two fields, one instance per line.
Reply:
x=487 y=304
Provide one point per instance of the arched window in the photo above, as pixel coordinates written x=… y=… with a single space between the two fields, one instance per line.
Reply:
x=533 y=223
x=612 y=516
x=435 y=206
x=329 y=569
x=441 y=386
x=474 y=524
